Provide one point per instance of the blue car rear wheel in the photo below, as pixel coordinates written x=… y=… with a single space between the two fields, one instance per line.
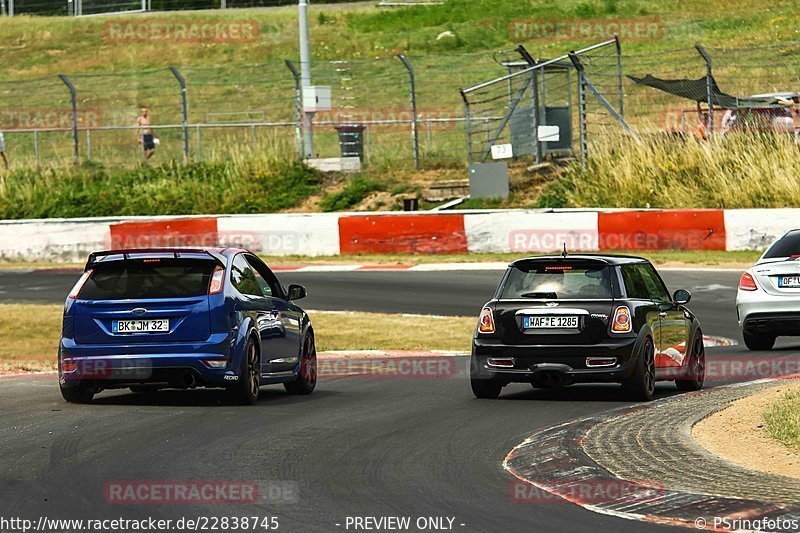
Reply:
x=245 y=391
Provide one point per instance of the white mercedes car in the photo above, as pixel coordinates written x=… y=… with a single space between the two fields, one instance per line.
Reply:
x=768 y=299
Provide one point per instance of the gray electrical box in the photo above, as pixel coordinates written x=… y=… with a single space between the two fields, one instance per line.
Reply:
x=488 y=180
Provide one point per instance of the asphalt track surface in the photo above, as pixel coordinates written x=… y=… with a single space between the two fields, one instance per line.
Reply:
x=359 y=446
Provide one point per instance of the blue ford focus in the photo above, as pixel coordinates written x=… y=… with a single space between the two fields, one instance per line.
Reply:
x=148 y=319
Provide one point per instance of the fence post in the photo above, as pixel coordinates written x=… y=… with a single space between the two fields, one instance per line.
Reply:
x=467 y=128
x=709 y=87
x=537 y=118
x=223 y=4
x=36 y=145
x=184 y=111
x=414 y=125
x=620 y=76
x=298 y=107
x=74 y=103
x=10 y=8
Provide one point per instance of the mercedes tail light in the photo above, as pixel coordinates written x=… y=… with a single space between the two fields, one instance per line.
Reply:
x=747 y=283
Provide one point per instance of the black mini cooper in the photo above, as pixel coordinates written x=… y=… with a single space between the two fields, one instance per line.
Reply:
x=558 y=320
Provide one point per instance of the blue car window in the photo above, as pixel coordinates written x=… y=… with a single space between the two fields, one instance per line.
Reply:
x=148 y=278
x=266 y=279
x=244 y=278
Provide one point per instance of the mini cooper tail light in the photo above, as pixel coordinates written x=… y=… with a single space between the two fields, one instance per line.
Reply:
x=216 y=280
x=76 y=290
x=486 y=322
x=747 y=283
x=622 y=320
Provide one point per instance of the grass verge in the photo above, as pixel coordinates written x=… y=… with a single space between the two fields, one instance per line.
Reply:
x=783 y=420
x=236 y=185
x=29 y=334
x=737 y=170
x=664 y=258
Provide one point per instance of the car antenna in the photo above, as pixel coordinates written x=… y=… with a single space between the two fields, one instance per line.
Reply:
x=564 y=253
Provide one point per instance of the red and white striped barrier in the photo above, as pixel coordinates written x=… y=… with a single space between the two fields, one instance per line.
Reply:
x=326 y=234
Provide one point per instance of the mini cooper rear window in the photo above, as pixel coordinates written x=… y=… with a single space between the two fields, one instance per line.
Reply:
x=558 y=280
x=786 y=246
x=148 y=278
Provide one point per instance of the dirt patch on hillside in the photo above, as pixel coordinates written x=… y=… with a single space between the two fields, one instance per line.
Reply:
x=738 y=434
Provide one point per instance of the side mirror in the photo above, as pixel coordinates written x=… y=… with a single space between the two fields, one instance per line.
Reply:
x=681 y=297
x=296 y=292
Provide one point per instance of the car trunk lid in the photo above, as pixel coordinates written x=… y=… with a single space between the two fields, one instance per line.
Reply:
x=779 y=278
x=144 y=300
x=562 y=301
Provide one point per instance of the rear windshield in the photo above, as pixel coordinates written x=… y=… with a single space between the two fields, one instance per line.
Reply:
x=558 y=280
x=148 y=278
x=786 y=246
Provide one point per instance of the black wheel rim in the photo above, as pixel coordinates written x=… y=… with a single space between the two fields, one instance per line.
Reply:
x=308 y=365
x=650 y=368
x=252 y=369
x=699 y=363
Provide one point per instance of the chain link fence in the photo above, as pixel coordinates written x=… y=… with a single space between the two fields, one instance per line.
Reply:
x=408 y=108
x=101 y=7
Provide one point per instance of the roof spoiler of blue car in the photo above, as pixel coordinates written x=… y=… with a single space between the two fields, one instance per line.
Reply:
x=176 y=253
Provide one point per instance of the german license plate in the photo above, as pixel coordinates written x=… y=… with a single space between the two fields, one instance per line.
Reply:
x=789 y=281
x=140 y=326
x=550 y=322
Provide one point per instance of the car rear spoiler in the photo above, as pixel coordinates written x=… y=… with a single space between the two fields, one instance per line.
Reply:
x=176 y=253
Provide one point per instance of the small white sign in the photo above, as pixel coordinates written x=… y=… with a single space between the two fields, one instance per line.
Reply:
x=502 y=151
x=548 y=134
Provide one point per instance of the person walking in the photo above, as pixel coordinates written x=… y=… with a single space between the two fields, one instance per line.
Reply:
x=145 y=133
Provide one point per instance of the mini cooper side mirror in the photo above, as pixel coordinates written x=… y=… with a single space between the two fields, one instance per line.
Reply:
x=681 y=297
x=297 y=292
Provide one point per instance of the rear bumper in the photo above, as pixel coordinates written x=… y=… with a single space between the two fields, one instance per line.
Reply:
x=164 y=364
x=760 y=313
x=530 y=363
x=772 y=323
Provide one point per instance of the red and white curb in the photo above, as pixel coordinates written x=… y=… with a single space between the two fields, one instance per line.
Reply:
x=522 y=231
x=554 y=460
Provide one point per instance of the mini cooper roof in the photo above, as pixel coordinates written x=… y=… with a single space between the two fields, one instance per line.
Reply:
x=607 y=259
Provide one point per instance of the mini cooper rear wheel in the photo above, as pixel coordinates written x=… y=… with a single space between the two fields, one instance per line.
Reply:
x=306 y=380
x=758 y=342
x=696 y=366
x=245 y=391
x=77 y=394
x=641 y=384
x=484 y=385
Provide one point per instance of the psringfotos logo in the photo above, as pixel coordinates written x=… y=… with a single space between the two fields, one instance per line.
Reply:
x=182 y=31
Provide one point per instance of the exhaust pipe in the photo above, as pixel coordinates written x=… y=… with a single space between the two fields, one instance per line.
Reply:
x=188 y=380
